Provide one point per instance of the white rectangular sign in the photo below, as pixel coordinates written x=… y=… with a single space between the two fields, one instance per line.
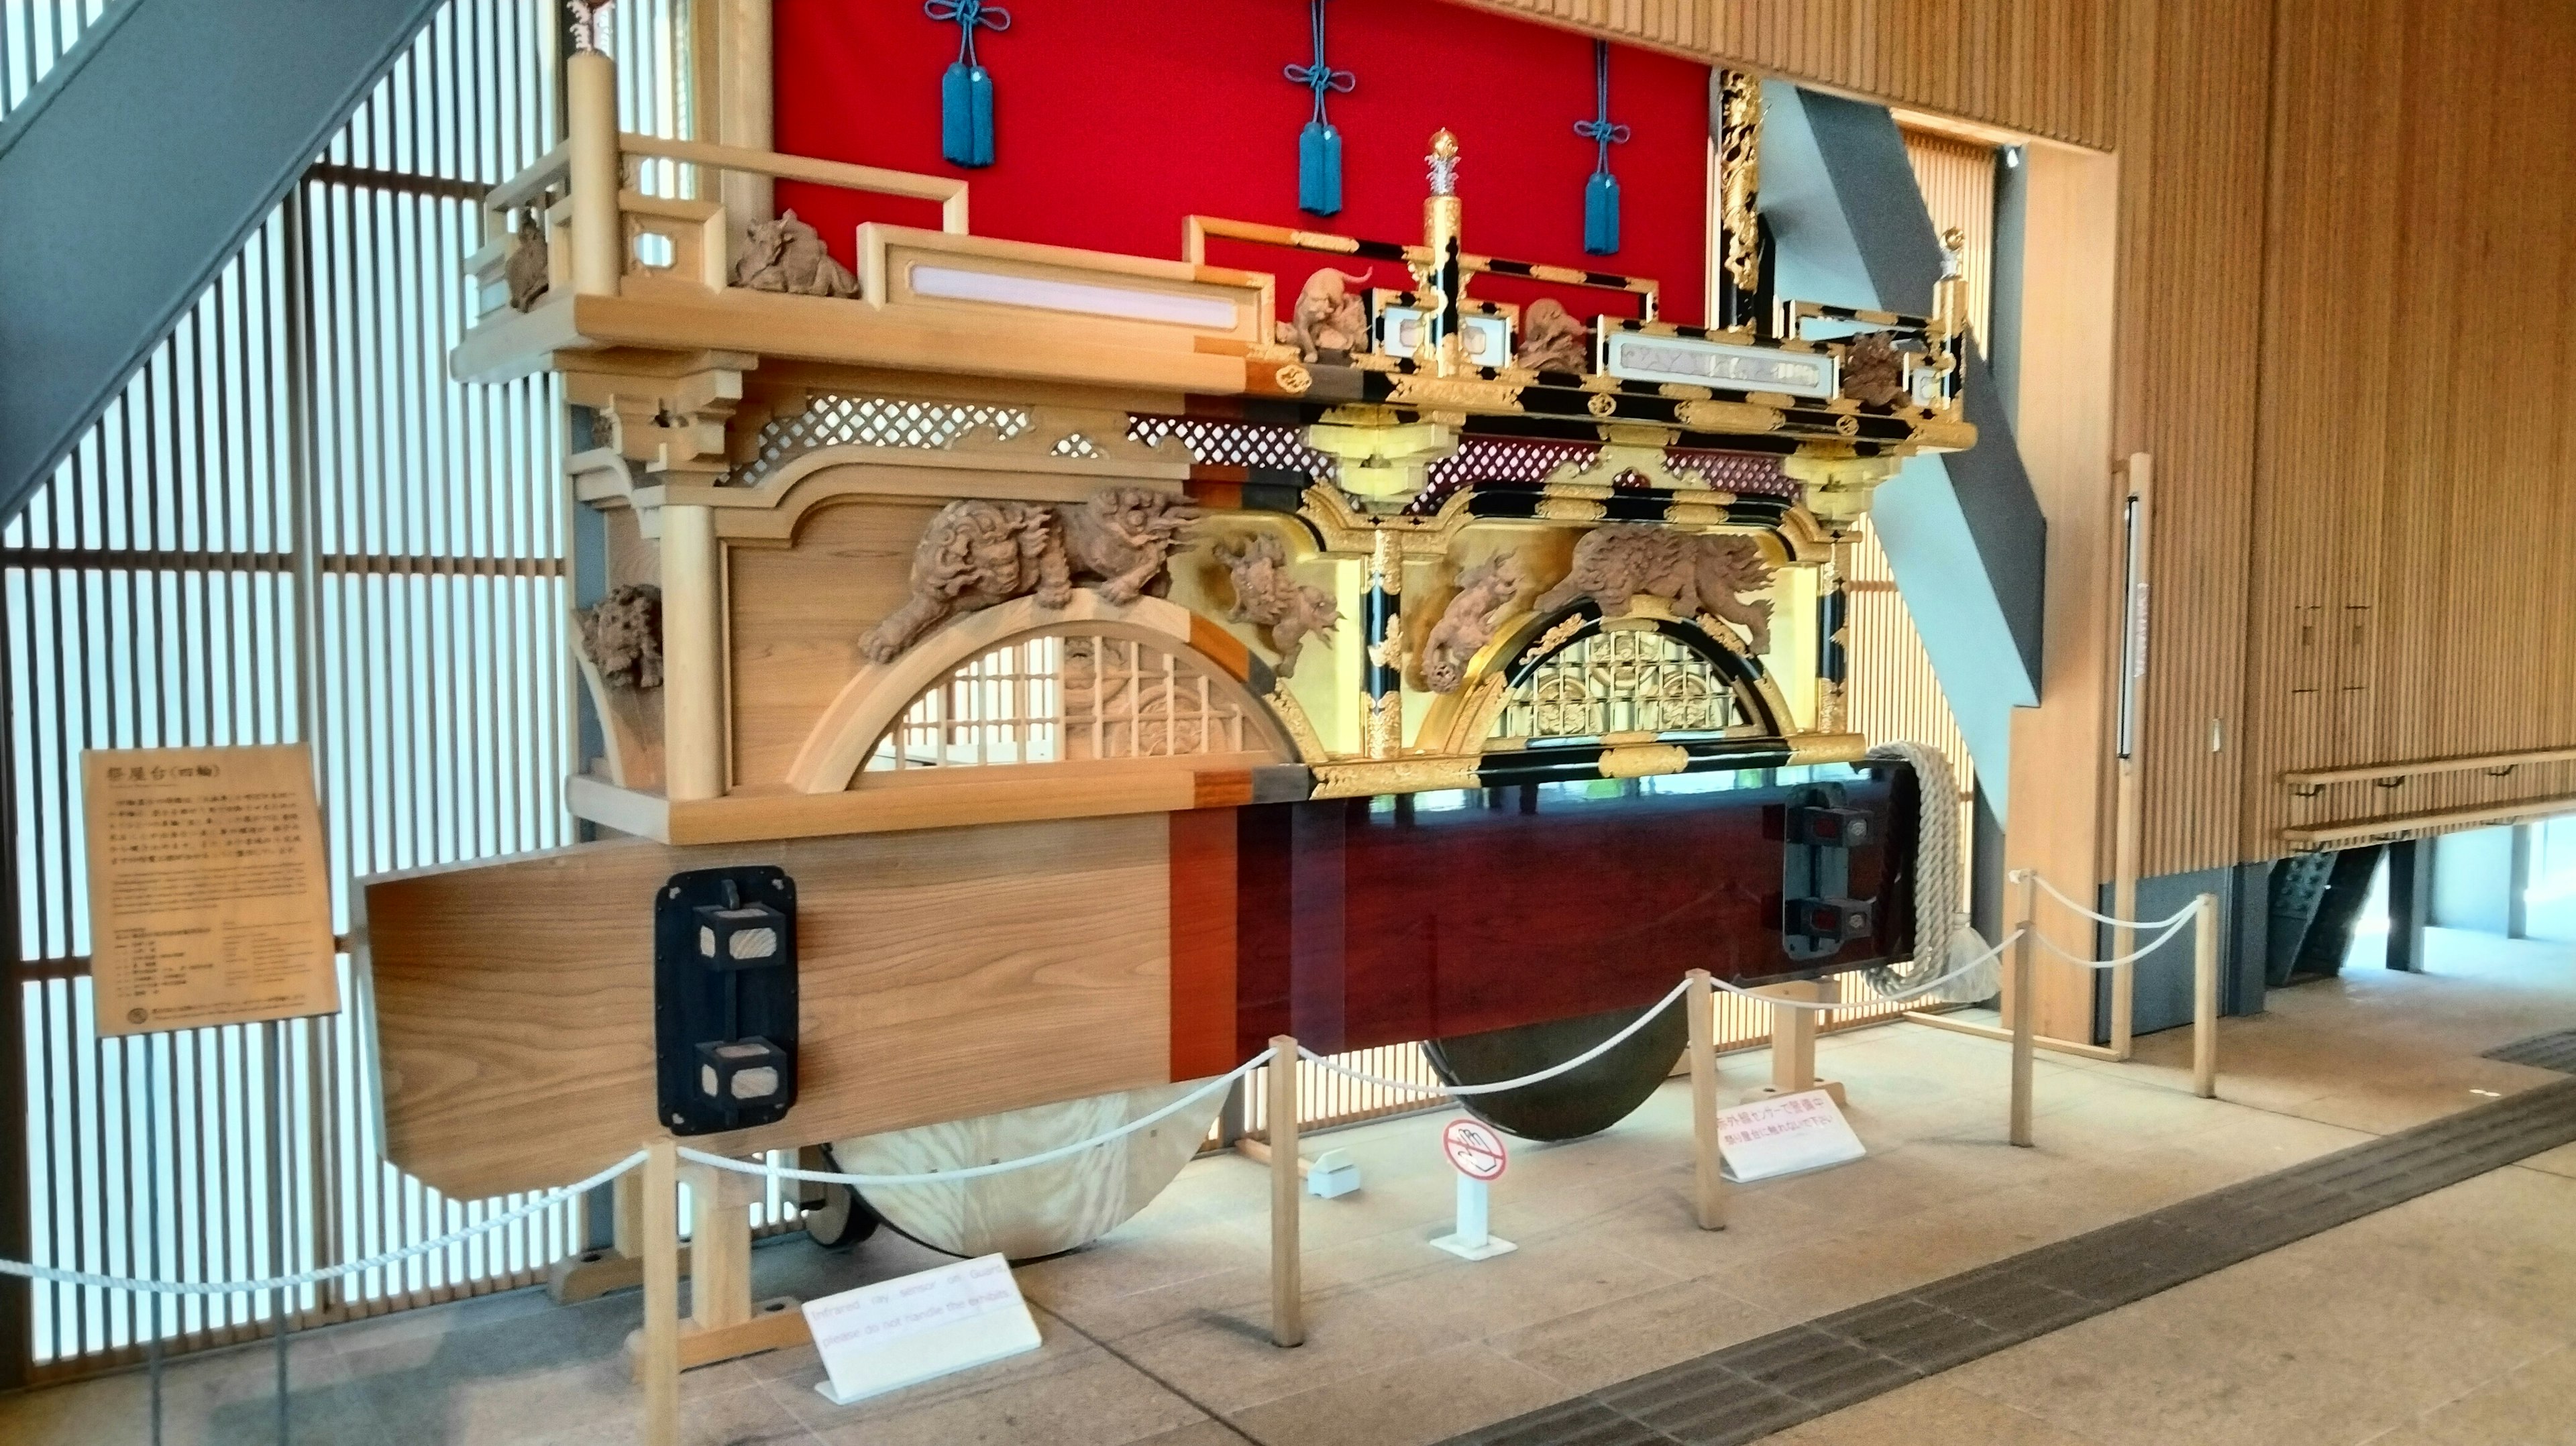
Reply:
x=904 y=1331
x=1784 y=1135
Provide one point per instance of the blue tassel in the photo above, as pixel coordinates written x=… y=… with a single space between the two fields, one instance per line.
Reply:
x=1319 y=169
x=1319 y=146
x=966 y=91
x=1601 y=214
x=1601 y=193
x=966 y=115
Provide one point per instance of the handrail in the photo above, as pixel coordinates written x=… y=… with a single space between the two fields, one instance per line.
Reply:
x=947 y=190
x=555 y=166
x=2404 y=823
x=1196 y=229
x=2319 y=777
x=533 y=182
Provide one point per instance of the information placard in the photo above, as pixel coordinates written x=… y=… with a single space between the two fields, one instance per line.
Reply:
x=1784 y=1135
x=904 y=1331
x=209 y=901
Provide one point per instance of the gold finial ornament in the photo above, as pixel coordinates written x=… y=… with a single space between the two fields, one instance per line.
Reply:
x=1441 y=279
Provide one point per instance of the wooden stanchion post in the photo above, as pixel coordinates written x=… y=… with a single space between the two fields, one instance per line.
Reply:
x=661 y=1357
x=2204 y=997
x=2024 y=1007
x=1287 y=1290
x=1708 y=1186
x=598 y=230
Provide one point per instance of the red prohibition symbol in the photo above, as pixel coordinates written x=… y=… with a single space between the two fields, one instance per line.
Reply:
x=1475 y=1148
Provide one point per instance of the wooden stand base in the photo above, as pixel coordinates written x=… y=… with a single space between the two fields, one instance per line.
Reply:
x=594 y=1273
x=775 y=1324
x=1832 y=1087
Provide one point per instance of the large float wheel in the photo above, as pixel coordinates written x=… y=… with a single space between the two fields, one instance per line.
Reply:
x=843 y=1219
x=1582 y=1101
x=1045 y=1209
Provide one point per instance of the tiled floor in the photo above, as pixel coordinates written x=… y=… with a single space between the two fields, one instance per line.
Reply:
x=2449 y=1319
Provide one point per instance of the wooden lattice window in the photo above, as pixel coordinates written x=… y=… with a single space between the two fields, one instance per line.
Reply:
x=1067 y=698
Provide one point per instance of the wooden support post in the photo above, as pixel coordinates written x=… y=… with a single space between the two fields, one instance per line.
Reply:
x=1793 y=1040
x=1708 y=1186
x=720 y=1237
x=2204 y=997
x=693 y=696
x=724 y=1321
x=1287 y=1298
x=2024 y=1006
x=660 y=1359
x=592 y=163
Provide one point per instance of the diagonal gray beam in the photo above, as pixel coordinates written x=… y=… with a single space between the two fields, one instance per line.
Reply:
x=138 y=168
x=1963 y=531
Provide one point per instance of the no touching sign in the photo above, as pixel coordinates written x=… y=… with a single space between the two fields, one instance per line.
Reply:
x=1475 y=1149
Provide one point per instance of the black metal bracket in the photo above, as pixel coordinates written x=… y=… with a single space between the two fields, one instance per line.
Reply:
x=1818 y=914
x=724 y=999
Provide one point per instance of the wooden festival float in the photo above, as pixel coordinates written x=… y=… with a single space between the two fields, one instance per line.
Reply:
x=1029 y=679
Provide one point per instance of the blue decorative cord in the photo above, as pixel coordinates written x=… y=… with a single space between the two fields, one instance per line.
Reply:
x=966 y=91
x=1319 y=146
x=1601 y=193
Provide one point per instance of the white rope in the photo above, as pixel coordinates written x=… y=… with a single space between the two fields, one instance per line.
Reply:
x=2051 y=890
x=2172 y=927
x=972 y=1172
x=1551 y=1072
x=1926 y=987
x=1936 y=864
x=290 y=1282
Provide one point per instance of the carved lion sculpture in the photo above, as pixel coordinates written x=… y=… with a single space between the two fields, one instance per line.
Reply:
x=1327 y=317
x=788 y=255
x=976 y=553
x=1552 y=340
x=1871 y=371
x=1696 y=573
x=526 y=268
x=1123 y=536
x=1485 y=592
x=621 y=634
x=1266 y=596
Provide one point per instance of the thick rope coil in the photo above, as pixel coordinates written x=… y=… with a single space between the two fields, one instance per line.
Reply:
x=1943 y=936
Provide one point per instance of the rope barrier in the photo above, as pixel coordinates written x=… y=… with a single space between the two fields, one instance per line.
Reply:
x=510 y=1216
x=973 y=1172
x=1551 y=1072
x=1926 y=987
x=2051 y=890
x=2171 y=927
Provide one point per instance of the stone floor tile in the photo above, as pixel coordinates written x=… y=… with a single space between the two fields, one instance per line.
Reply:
x=1925 y=1413
x=1427 y=1399
x=1608 y=1343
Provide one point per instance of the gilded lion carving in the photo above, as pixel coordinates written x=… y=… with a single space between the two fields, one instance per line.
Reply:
x=1695 y=572
x=1485 y=592
x=1266 y=596
x=977 y=553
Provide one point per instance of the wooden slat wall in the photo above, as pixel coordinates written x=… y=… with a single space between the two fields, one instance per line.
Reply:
x=1958 y=182
x=2416 y=498
x=2194 y=94
x=2041 y=66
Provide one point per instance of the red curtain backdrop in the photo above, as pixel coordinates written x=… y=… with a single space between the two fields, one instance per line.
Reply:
x=1116 y=118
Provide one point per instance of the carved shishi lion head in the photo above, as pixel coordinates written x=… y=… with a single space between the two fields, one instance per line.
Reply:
x=621 y=634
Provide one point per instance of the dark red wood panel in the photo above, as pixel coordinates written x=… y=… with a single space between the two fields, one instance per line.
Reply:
x=1363 y=922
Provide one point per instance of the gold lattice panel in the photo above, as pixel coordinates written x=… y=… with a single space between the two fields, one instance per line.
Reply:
x=1624 y=681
